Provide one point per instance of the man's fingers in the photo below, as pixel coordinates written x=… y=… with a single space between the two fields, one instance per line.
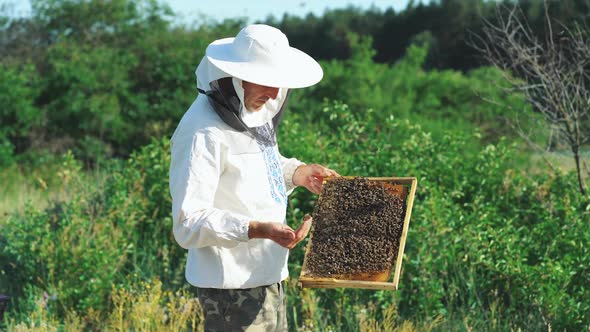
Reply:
x=304 y=228
x=318 y=186
x=287 y=234
x=284 y=242
x=333 y=173
x=314 y=177
x=283 y=232
x=301 y=232
x=323 y=171
x=314 y=188
x=305 y=224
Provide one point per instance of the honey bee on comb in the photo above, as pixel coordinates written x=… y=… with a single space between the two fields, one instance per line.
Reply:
x=357 y=226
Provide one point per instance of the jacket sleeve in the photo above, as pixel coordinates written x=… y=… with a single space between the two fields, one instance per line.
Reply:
x=289 y=165
x=195 y=167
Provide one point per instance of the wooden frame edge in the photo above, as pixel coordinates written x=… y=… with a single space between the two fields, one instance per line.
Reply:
x=404 y=235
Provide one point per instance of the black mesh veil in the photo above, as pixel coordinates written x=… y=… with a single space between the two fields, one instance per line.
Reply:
x=224 y=100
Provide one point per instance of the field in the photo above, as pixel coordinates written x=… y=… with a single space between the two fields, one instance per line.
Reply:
x=498 y=240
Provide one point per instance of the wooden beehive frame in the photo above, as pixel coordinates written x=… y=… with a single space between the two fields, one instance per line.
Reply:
x=308 y=281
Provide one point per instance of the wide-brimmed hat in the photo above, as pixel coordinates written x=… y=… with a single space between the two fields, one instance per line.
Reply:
x=261 y=54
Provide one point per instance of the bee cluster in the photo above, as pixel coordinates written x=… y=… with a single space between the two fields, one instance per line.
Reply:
x=357 y=226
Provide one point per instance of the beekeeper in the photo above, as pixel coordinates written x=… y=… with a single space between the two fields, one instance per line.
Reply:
x=229 y=183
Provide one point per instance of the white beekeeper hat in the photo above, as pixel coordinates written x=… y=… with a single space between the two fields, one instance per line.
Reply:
x=261 y=54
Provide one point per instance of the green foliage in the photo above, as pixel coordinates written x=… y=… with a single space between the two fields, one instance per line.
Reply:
x=501 y=245
x=64 y=253
x=482 y=236
x=144 y=187
x=163 y=79
x=6 y=153
x=64 y=250
x=101 y=78
x=140 y=306
x=438 y=100
x=99 y=84
x=89 y=89
x=489 y=247
x=97 y=21
x=79 y=249
x=18 y=89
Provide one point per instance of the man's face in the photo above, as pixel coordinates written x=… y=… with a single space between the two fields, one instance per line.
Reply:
x=256 y=95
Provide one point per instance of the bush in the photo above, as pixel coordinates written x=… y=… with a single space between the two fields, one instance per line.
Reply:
x=19 y=87
x=505 y=244
x=80 y=248
x=440 y=101
x=67 y=250
x=502 y=246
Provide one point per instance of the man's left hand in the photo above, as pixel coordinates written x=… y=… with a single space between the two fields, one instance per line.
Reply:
x=311 y=177
x=301 y=232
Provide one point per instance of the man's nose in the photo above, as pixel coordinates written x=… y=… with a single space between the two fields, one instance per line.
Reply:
x=272 y=93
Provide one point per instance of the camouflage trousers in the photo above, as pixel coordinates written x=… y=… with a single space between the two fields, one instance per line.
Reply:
x=251 y=309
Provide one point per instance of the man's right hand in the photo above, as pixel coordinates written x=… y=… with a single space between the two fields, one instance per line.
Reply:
x=302 y=231
x=278 y=232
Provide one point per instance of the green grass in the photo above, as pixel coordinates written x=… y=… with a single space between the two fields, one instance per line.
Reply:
x=559 y=160
x=51 y=179
x=20 y=189
x=142 y=299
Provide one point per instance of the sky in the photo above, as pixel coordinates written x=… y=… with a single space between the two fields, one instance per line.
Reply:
x=260 y=9
x=190 y=10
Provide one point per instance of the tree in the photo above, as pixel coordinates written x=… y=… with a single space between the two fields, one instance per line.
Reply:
x=553 y=73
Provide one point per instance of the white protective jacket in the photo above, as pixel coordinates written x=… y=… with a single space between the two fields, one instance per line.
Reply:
x=220 y=180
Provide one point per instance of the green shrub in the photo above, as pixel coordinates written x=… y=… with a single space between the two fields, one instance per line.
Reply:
x=487 y=245
x=7 y=157
x=66 y=250
x=145 y=179
x=508 y=246
x=19 y=87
